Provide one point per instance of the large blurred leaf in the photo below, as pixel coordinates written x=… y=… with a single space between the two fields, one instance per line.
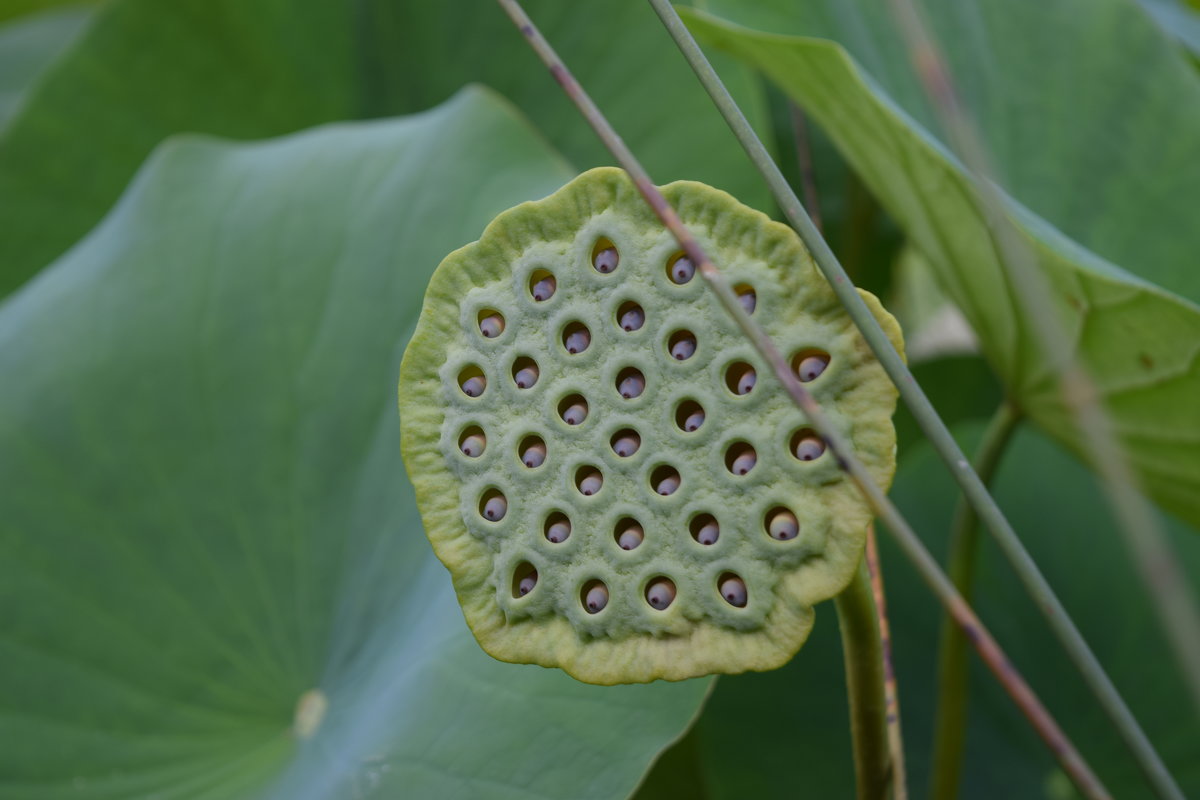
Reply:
x=1094 y=122
x=27 y=48
x=205 y=515
x=785 y=734
x=251 y=68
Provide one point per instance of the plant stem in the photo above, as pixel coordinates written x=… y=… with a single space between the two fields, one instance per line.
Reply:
x=1005 y=672
x=862 y=650
x=891 y=694
x=951 y=710
x=935 y=429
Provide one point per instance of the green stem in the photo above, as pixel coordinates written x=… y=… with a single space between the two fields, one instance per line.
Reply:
x=951 y=721
x=862 y=649
x=931 y=424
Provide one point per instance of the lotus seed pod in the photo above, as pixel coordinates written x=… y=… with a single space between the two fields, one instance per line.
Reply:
x=632 y=319
x=719 y=581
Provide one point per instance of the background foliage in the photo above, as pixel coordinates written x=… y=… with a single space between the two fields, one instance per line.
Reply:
x=205 y=516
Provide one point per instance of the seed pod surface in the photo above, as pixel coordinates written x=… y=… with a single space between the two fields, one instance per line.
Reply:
x=620 y=362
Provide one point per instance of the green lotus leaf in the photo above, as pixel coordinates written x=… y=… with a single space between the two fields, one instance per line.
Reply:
x=613 y=477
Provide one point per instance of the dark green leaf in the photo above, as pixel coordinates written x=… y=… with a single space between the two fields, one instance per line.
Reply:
x=27 y=48
x=205 y=518
x=252 y=68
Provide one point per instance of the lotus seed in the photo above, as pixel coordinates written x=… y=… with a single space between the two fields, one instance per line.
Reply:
x=743 y=462
x=632 y=385
x=526 y=584
x=474 y=386
x=626 y=443
x=526 y=376
x=495 y=508
x=668 y=484
x=660 y=593
x=596 y=598
x=746 y=381
x=809 y=447
x=733 y=589
x=708 y=532
x=682 y=270
x=544 y=288
x=606 y=260
x=575 y=413
x=590 y=482
x=558 y=530
x=534 y=454
x=748 y=299
x=577 y=340
x=694 y=420
x=683 y=347
x=491 y=326
x=811 y=366
x=473 y=445
x=633 y=319
x=631 y=536
x=783 y=525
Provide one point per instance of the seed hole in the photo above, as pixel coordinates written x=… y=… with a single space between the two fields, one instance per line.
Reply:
x=746 y=296
x=525 y=372
x=681 y=345
x=733 y=589
x=471 y=381
x=660 y=593
x=576 y=338
x=605 y=256
x=573 y=409
x=689 y=416
x=630 y=383
x=680 y=269
x=740 y=458
x=705 y=529
x=809 y=364
x=781 y=524
x=472 y=441
x=588 y=480
x=665 y=480
x=524 y=579
x=628 y=533
x=806 y=445
x=542 y=285
x=740 y=377
x=630 y=317
x=626 y=442
x=594 y=596
x=532 y=451
x=491 y=323
x=493 y=505
x=557 y=528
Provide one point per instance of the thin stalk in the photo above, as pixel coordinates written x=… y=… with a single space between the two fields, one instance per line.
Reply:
x=1045 y=725
x=1156 y=564
x=808 y=179
x=891 y=694
x=935 y=429
x=862 y=649
x=949 y=735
